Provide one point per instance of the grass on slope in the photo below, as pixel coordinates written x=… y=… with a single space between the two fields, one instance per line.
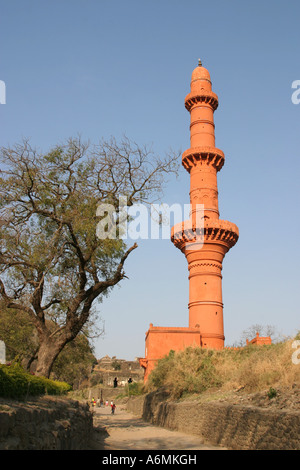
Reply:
x=253 y=368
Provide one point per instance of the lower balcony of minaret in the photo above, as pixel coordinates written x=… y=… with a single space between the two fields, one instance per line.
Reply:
x=187 y=237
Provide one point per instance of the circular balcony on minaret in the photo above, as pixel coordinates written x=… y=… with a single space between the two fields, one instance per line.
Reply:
x=213 y=231
x=203 y=155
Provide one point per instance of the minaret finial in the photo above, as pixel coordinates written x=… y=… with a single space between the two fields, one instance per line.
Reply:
x=199 y=63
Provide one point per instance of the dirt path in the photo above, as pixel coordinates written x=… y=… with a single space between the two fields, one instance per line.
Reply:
x=125 y=431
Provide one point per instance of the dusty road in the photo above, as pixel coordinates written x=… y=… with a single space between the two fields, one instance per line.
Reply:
x=125 y=431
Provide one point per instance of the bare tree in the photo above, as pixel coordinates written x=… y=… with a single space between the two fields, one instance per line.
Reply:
x=262 y=330
x=52 y=264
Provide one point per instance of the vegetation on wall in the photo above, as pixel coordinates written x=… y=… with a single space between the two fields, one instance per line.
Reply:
x=251 y=368
x=116 y=365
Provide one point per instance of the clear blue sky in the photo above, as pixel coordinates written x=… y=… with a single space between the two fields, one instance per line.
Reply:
x=102 y=68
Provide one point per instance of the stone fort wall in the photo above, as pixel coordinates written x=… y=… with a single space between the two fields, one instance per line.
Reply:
x=109 y=368
x=235 y=427
x=45 y=424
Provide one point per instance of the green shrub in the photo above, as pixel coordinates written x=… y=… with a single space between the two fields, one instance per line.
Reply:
x=272 y=393
x=16 y=383
x=135 y=388
x=132 y=389
x=116 y=365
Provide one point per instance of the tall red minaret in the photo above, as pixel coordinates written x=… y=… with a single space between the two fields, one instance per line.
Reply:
x=204 y=255
x=204 y=238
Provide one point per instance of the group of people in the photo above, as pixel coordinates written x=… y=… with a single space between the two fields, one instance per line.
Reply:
x=116 y=381
x=99 y=402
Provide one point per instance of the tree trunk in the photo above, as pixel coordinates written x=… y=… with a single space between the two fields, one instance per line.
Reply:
x=26 y=363
x=48 y=352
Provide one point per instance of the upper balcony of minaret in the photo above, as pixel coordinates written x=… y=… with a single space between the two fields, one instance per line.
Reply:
x=201 y=91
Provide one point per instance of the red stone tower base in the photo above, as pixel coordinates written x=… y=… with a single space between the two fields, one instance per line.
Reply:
x=161 y=340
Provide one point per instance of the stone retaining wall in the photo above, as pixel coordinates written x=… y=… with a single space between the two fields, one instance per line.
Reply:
x=45 y=424
x=231 y=426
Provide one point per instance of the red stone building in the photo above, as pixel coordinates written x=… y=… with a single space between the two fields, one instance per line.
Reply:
x=260 y=340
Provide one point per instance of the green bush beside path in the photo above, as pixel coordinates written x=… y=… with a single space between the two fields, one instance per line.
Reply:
x=18 y=384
